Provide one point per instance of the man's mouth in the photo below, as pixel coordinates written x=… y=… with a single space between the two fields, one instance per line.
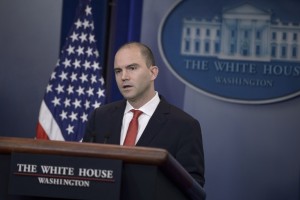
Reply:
x=126 y=86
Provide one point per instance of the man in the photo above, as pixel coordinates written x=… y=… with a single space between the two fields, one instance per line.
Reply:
x=160 y=125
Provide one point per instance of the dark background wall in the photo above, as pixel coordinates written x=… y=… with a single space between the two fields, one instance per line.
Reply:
x=29 y=47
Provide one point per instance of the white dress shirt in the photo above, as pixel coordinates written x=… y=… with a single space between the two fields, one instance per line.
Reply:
x=148 y=110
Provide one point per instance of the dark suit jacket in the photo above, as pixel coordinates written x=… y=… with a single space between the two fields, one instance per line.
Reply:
x=169 y=128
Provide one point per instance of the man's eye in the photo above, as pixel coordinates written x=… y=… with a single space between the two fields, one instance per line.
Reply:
x=133 y=67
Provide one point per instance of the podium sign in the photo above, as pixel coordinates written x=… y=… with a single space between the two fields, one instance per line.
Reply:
x=65 y=177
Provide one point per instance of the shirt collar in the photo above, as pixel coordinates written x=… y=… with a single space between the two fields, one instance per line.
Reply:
x=148 y=108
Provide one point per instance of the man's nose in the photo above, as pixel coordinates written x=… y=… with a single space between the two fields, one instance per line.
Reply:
x=124 y=75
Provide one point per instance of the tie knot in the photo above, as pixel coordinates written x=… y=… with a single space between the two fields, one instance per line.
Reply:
x=136 y=113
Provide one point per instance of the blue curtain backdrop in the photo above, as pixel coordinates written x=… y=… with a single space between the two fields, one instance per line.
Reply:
x=116 y=22
x=125 y=26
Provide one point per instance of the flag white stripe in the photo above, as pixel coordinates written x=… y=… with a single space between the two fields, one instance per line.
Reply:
x=48 y=123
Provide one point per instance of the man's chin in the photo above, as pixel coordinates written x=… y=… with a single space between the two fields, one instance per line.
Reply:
x=131 y=98
x=128 y=95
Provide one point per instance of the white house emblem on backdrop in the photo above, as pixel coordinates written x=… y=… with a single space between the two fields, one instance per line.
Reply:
x=241 y=53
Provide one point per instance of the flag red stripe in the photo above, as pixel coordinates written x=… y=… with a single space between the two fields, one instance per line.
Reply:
x=40 y=132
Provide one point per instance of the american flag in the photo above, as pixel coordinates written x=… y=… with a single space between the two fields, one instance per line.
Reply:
x=76 y=86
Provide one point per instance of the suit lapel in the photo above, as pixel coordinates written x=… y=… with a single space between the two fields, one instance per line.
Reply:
x=116 y=119
x=155 y=124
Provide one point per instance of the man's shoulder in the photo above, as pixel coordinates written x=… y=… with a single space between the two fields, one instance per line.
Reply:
x=175 y=111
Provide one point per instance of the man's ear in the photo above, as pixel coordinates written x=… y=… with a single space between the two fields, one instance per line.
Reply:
x=154 y=71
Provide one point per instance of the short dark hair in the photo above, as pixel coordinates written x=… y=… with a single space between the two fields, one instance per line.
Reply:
x=145 y=51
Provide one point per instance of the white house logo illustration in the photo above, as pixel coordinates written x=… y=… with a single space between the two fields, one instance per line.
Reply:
x=241 y=54
x=242 y=33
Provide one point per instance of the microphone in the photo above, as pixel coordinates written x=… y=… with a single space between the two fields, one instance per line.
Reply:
x=93 y=137
x=106 y=137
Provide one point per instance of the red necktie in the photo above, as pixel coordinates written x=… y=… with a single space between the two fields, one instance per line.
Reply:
x=132 y=129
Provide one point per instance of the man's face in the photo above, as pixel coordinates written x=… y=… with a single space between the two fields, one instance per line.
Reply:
x=134 y=78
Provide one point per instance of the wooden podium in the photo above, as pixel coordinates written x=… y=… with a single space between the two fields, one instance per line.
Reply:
x=147 y=173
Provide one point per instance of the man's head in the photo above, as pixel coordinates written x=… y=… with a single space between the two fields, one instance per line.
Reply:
x=135 y=73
